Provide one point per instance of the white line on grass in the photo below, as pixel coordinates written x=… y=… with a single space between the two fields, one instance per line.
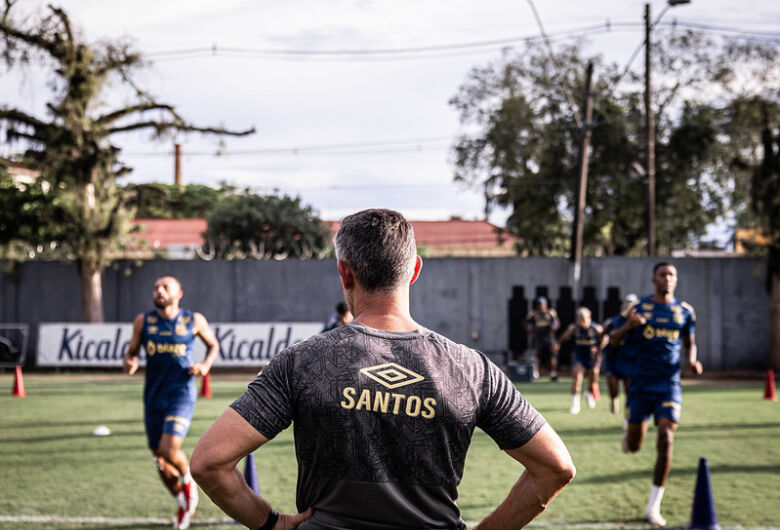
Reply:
x=123 y=521
x=129 y=521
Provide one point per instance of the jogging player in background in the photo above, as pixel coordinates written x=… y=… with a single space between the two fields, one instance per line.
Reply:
x=168 y=333
x=618 y=359
x=541 y=325
x=339 y=318
x=660 y=326
x=383 y=411
x=588 y=340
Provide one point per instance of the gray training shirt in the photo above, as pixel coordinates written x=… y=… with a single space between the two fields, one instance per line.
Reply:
x=382 y=422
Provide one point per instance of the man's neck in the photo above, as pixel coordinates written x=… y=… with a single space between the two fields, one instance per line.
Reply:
x=168 y=311
x=663 y=298
x=384 y=311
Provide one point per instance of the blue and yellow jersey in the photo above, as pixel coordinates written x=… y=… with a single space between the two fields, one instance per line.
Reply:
x=585 y=339
x=168 y=344
x=659 y=341
x=542 y=323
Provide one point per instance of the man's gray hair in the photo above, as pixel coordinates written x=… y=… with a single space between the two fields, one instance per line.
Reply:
x=379 y=246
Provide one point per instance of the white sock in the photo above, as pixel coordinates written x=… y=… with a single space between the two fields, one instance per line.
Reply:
x=656 y=494
x=181 y=500
x=187 y=478
x=553 y=374
x=575 y=398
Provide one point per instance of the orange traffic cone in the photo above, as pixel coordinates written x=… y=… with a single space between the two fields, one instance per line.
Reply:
x=769 y=388
x=205 y=390
x=18 y=389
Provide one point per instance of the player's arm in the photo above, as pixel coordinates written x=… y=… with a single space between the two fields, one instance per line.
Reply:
x=689 y=342
x=567 y=335
x=548 y=468
x=213 y=466
x=634 y=320
x=202 y=329
x=556 y=323
x=603 y=337
x=130 y=359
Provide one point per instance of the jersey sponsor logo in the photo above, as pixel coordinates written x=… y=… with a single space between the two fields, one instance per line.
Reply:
x=151 y=319
x=151 y=330
x=647 y=306
x=153 y=348
x=647 y=315
x=651 y=332
x=391 y=375
x=185 y=319
x=181 y=329
x=388 y=403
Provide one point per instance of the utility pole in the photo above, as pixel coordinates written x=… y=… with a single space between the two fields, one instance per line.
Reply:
x=582 y=178
x=177 y=164
x=649 y=140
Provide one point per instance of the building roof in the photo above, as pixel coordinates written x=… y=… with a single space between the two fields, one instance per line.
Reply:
x=454 y=237
x=162 y=233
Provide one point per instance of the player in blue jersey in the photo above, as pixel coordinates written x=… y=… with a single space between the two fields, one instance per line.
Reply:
x=588 y=339
x=618 y=359
x=660 y=326
x=167 y=334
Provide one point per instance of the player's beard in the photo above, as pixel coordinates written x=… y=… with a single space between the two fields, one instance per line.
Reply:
x=161 y=304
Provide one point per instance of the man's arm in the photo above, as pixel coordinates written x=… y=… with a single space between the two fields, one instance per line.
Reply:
x=634 y=320
x=556 y=323
x=213 y=466
x=202 y=329
x=130 y=359
x=567 y=335
x=689 y=341
x=548 y=468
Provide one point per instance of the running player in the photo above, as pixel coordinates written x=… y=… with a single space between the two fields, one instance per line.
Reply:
x=541 y=326
x=588 y=341
x=618 y=359
x=383 y=411
x=168 y=333
x=661 y=325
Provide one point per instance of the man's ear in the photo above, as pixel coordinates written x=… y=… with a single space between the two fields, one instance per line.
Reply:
x=346 y=274
x=417 y=269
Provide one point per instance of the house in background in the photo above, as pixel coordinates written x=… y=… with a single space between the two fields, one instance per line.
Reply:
x=183 y=239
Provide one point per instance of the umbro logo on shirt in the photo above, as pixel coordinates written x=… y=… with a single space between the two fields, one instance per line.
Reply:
x=391 y=375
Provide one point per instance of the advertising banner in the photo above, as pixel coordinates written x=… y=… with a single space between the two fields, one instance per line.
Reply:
x=84 y=345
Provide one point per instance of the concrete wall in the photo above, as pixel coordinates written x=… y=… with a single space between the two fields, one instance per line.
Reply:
x=464 y=298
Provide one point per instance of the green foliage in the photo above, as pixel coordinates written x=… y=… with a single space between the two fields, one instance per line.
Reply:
x=246 y=225
x=520 y=142
x=169 y=201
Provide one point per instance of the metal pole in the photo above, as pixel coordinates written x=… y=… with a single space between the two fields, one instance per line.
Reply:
x=650 y=140
x=177 y=165
x=582 y=178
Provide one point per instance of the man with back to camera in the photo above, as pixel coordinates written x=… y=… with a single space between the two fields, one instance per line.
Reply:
x=383 y=411
x=168 y=334
x=618 y=360
x=659 y=325
x=541 y=325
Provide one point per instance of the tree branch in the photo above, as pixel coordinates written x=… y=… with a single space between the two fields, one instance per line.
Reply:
x=37 y=41
x=65 y=21
x=141 y=107
x=17 y=116
x=161 y=126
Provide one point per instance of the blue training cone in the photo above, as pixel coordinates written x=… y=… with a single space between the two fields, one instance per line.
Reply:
x=250 y=473
x=703 y=513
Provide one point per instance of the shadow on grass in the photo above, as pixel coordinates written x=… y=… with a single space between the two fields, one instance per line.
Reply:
x=688 y=471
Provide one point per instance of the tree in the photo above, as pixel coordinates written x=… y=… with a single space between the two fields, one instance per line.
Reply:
x=246 y=225
x=72 y=144
x=170 y=201
x=520 y=146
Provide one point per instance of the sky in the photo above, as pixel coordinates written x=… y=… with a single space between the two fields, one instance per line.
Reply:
x=343 y=132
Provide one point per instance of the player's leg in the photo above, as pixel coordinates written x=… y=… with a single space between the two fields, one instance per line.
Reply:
x=667 y=414
x=638 y=411
x=613 y=386
x=175 y=428
x=576 y=386
x=592 y=374
x=553 y=363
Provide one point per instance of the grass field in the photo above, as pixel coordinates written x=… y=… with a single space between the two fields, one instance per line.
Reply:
x=52 y=465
